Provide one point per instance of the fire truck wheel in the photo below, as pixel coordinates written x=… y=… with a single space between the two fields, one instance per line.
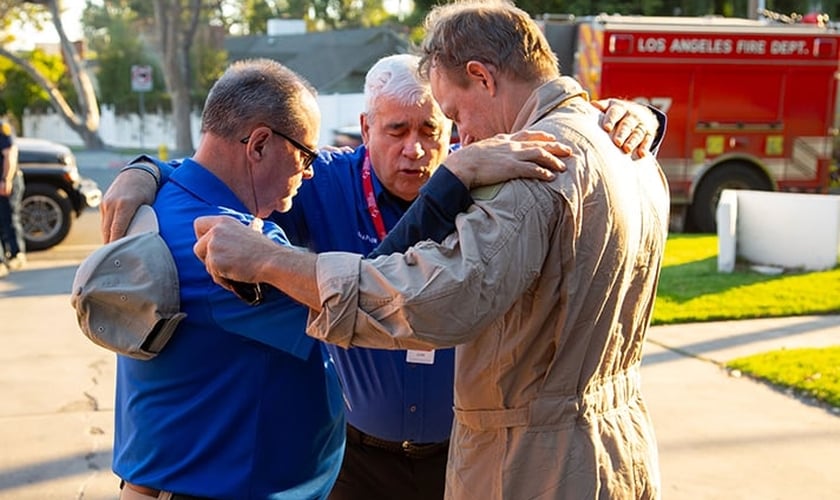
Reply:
x=726 y=176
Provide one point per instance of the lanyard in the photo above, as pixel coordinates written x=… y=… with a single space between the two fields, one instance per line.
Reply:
x=370 y=197
x=412 y=355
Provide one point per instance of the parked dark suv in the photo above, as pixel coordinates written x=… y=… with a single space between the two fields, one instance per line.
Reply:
x=55 y=192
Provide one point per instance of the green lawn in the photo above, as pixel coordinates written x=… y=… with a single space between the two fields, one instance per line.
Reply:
x=814 y=372
x=691 y=289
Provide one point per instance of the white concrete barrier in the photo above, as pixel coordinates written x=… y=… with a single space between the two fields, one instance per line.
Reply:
x=788 y=230
x=727 y=219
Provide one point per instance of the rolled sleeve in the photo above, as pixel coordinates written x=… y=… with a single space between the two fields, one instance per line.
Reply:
x=437 y=295
x=338 y=285
x=362 y=307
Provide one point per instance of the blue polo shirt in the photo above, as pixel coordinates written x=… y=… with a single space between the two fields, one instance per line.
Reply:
x=386 y=396
x=241 y=404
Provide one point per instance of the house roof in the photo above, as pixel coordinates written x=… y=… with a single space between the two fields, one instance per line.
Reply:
x=332 y=61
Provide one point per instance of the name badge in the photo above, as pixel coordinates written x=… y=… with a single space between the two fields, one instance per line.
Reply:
x=420 y=357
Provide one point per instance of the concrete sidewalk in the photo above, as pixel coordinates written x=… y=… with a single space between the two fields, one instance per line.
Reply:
x=725 y=437
x=720 y=437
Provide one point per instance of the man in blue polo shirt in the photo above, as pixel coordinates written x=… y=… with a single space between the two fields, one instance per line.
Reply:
x=240 y=404
x=398 y=403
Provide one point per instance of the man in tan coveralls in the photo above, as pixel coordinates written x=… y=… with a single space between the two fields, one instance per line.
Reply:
x=547 y=288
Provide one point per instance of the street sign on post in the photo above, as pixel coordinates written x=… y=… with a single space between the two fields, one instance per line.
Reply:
x=141 y=78
x=141 y=81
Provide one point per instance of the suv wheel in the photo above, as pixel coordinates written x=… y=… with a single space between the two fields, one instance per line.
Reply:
x=46 y=216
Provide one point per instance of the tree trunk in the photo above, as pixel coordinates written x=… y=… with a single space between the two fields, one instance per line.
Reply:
x=175 y=39
x=92 y=139
x=85 y=121
x=181 y=117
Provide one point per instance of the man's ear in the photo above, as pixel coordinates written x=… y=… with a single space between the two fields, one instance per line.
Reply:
x=257 y=143
x=364 y=125
x=255 y=150
x=483 y=74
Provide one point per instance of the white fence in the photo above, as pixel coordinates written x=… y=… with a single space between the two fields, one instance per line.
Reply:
x=156 y=129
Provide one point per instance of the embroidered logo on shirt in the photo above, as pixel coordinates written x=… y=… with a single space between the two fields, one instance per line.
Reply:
x=368 y=238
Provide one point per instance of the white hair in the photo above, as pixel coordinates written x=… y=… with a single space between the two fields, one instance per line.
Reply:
x=396 y=77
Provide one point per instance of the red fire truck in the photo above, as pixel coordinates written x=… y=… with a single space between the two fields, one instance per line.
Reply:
x=750 y=103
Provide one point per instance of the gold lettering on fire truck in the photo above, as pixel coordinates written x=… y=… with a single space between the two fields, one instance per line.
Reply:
x=654 y=45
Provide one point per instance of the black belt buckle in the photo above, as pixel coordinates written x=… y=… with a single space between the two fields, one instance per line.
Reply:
x=413 y=450
x=405 y=448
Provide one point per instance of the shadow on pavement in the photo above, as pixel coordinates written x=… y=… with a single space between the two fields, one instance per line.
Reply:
x=33 y=282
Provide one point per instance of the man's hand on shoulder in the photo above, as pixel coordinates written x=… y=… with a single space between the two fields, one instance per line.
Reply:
x=631 y=125
x=526 y=154
x=130 y=189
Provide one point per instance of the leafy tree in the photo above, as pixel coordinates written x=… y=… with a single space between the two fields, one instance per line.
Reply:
x=113 y=31
x=334 y=14
x=252 y=15
x=84 y=120
x=256 y=13
x=209 y=64
x=738 y=8
x=179 y=39
x=18 y=91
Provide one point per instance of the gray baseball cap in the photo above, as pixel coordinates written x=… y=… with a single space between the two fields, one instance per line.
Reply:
x=126 y=293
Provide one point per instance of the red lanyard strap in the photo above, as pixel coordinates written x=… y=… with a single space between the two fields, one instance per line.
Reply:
x=370 y=198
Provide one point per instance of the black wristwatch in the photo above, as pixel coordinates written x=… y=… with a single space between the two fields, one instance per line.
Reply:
x=146 y=164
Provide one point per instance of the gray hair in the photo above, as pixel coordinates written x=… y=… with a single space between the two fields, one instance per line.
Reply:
x=253 y=92
x=396 y=77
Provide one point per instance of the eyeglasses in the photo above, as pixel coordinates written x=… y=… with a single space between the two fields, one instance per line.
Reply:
x=309 y=155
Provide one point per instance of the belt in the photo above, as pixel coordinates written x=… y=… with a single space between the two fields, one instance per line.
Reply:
x=405 y=448
x=143 y=490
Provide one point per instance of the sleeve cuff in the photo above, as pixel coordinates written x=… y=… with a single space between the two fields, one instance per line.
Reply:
x=338 y=287
x=447 y=192
x=146 y=164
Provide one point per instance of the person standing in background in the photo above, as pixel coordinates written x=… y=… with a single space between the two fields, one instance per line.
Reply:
x=11 y=196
